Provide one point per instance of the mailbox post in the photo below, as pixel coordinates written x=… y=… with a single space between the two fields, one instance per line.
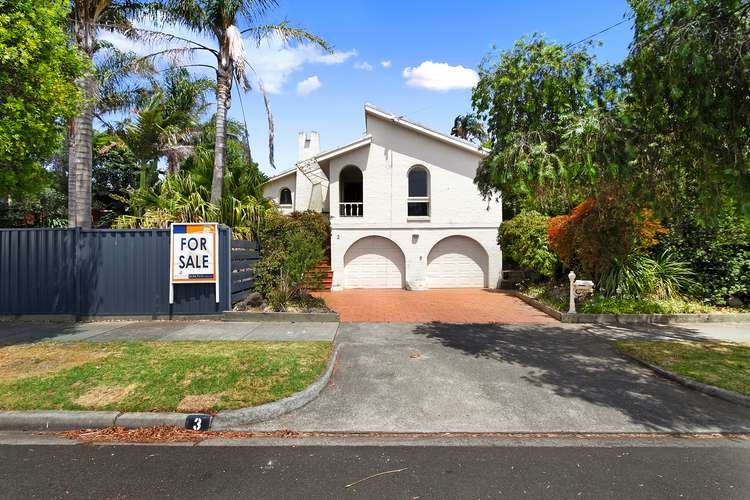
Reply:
x=578 y=288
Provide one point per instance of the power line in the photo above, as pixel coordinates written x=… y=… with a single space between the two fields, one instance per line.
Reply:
x=573 y=44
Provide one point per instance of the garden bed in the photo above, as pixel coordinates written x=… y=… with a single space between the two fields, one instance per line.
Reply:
x=556 y=297
x=156 y=376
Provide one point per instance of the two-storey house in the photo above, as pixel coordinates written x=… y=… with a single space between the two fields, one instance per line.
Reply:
x=403 y=206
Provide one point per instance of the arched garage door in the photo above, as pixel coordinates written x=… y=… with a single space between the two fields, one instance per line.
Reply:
x=374 y=262
x=457 y=262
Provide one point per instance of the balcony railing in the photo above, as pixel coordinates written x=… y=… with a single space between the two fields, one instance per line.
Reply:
x=350 y=209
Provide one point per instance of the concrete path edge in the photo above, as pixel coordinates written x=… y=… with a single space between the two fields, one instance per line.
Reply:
x=235 y=419
x=283 y=317
x=64 y=420
x=712 y=390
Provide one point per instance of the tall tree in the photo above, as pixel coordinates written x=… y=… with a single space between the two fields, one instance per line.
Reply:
x=86 y=19
x=542 y=103
x=220 y=19
x=689 y=103
x=38 y=94
x=166 y=119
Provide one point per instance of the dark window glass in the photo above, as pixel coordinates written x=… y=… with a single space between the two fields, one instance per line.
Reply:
x=418 y=209
x=418 y=183
x=286 y=197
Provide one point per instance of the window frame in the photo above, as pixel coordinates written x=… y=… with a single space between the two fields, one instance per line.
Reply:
x=291 y=198
x=426 y=200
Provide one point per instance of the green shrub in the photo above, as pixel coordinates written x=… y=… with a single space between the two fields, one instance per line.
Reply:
x=523 y=239
x=717 y=251
x=641 y=276
x=291 y=245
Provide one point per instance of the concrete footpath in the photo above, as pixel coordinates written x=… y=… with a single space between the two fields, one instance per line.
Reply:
x=119 y=331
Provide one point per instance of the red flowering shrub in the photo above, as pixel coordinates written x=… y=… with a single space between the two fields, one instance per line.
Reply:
x=599 y=232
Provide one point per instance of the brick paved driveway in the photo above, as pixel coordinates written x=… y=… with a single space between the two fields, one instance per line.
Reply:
x=459 y=305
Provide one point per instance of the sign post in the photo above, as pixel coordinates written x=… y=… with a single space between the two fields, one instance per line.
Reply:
x=193 y=255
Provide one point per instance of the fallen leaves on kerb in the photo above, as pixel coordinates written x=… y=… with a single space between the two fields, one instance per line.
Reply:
x=160 y=434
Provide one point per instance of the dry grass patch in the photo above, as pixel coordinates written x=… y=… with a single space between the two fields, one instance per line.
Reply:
x=198 y=403
x=41 y=359
x=103 y=395
x=156 y=376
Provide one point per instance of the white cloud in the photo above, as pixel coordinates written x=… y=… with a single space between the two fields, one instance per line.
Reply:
x=273 y=60
x=336 y=57
x=385 y=64
x=440 y=76
x=308 y=85
x=365 y=66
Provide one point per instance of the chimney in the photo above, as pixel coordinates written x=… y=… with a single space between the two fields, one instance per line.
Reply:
x=307 y=145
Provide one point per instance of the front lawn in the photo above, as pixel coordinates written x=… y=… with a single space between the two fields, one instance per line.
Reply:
x=156 y=376
x=722 y=364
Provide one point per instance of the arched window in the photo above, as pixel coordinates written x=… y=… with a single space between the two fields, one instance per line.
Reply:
x=285 y=197
x=350 y=192
x=418 y=203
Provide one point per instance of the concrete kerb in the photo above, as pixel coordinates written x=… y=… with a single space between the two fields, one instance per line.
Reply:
x=283 y=317
x=631 y=319
x=53 y=420
x=236 y=419
x=711 y=390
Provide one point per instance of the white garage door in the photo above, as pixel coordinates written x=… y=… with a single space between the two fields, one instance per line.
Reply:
x=456 y=262
x=374 y=262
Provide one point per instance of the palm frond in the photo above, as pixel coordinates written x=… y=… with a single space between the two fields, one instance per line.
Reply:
x=287 y=34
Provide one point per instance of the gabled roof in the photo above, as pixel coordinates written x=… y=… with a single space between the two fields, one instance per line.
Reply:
x=421 y=129
x=281 y=174
x=332 y=153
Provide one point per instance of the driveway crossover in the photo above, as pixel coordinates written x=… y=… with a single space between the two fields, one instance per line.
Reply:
x=491 y=378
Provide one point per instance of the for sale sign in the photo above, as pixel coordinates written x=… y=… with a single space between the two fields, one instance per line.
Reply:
x=194 y=254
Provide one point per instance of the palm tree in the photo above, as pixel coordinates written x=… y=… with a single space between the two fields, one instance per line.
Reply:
x=467 y=127
x=86 y=18
x=219 y=19
x=166 y=121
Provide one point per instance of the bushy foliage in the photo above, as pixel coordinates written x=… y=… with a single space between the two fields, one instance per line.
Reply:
x=717 y=251
x=599 y=233
x=538 y=98
x=687 y=104
x=38 y=68
x=291 y=245
x=601 y=304
x=46 y=208
x=523 y=239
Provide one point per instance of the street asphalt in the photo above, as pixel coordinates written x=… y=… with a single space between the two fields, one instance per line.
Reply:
x=717 y=469
x=502 y=378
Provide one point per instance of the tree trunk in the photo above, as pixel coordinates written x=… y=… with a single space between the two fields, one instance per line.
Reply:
x=80 y=157
x=222 y=93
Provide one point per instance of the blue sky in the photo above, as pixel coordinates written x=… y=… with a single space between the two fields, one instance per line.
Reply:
x=413 y=58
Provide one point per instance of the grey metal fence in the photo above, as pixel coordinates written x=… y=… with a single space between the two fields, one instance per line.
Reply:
x=97 y=272
x=245 y=254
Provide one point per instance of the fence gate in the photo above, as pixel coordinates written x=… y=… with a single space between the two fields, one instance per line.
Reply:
x=245 y=254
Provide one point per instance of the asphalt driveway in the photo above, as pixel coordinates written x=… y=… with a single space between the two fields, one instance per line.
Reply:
x=500 y=378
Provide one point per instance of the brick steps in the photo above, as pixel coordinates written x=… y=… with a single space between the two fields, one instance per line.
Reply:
x=324 y=268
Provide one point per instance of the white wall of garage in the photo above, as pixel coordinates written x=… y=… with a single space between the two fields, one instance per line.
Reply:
x=416 y=245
